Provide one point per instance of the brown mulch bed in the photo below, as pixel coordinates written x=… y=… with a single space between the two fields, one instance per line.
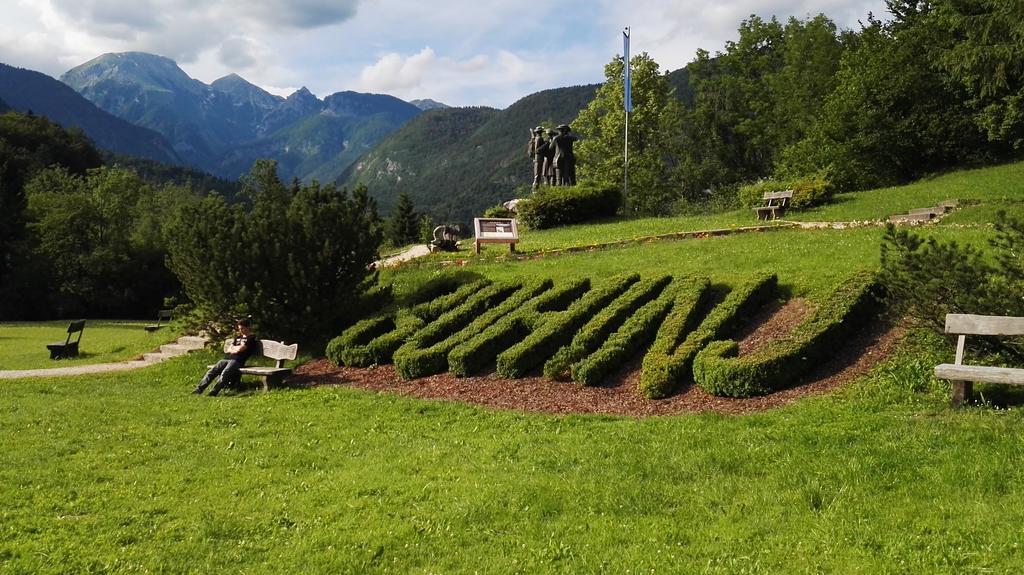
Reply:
x=772 y=322
x=618 y=396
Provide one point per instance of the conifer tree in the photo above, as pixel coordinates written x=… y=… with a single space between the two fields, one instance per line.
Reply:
x=404 y=224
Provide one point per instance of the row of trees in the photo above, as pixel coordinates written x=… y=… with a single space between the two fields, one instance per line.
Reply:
x=81 y=238
x=939 y=84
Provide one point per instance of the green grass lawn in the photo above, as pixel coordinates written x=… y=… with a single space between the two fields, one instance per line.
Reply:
x=23 y=345
x=129 y=473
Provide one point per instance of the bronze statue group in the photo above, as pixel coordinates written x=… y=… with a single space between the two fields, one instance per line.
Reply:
x=553 y=161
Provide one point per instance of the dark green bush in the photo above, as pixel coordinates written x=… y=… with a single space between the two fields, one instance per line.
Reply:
x=368 y=342
x=719 y=371
x=658 y=375
x=499 y=211
x=426 y=353
x=470 y=356
x=555 y=206
x=636 y=333
x=671 y=366
x=810 y=191
x=600 y=326
x=557 y=329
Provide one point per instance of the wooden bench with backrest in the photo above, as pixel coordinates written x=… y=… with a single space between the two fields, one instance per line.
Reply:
x=162 y=317
x=67 y=348
x=276 y=350
x=962 y=375
x=775 y=204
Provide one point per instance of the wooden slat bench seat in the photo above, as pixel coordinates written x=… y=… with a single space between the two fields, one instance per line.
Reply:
x=962 y=376
x=276 y=350
x=775 y=204
x=162 y=317
x=67 y=348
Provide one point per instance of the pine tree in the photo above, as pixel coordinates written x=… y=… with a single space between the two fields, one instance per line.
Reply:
x=404 y=224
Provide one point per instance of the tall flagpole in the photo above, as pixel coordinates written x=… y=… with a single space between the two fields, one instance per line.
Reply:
x=628 y=105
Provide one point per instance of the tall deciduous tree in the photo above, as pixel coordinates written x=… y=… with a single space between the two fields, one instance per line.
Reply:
x=653 y=136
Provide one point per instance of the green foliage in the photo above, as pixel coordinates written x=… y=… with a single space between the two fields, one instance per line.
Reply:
x=403 y=226
x=553 y=206
x=499 y=211
x=29 y=144
x=671 y=366
x=557 y=329
x=892 y=116
x=987 y=58
x=634 y=335
x=472 y=355
x=103 y=341
x=653 y=135
x=374 y=340
x=662 y=368
x=782 y=362
x=925 y=279
x=597 y=329
x=759 y=96
x=297 y=260
x=808 y=192
x=426 y=352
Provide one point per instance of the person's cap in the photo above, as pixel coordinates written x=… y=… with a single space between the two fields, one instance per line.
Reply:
x=564 y=127
x=538 y=129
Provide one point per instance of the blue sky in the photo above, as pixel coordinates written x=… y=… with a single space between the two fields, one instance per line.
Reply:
x=461 y=52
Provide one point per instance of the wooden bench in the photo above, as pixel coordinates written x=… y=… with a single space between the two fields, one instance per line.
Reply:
x=163 y=316
x=775 y=204
x=67 y=348
x=962 y=375
x=276 y=350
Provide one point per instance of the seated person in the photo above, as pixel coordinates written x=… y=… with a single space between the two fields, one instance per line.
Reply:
x=227 y=370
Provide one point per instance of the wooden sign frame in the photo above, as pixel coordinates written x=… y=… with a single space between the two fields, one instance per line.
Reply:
x=495 y=231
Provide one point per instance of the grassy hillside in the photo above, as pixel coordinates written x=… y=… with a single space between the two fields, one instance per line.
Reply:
x=129 y=473
x=455 y=163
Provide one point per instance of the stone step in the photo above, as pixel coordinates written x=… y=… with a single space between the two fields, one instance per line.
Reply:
x=192 y=342
x=155 y=357
x=910 y=218
x=174 y=349
x=931 y=212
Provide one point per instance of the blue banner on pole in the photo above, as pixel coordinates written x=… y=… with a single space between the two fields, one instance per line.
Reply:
x=627 y=76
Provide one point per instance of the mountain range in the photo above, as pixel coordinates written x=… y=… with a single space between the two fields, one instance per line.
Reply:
x=28 y=91
x=223 y=127
x=453 y=162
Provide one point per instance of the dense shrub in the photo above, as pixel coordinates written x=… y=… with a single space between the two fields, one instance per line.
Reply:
x=810 y=191
x=499 y=211
x=472 y=355
x=636 y=333
x=373 y=340
x=661 y=367
x=426 y=353
x=781 y=363
x=553 y=206
x=675 y=368
x=557 y=329
x=600 y=326
x=925 y=279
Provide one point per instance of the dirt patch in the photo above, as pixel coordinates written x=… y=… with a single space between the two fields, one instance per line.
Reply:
x=618 y=395
x=773 y=321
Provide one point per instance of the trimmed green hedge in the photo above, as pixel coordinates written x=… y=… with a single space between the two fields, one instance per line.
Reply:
x=557 y=329
x=470 y=356
x=367 y=342
x=552 y=206
x=810 y=191
x=781 y=363
x=670 y=365
x=635 y=333
x=426 y=353
x=600 y=326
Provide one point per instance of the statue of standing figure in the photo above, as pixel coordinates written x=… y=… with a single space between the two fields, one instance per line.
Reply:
x=565 y=160
x=554 y=163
